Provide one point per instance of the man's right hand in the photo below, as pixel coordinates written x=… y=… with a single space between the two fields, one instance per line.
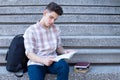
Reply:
x=48 y=60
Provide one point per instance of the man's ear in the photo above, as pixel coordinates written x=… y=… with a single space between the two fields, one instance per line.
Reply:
x=44 y=12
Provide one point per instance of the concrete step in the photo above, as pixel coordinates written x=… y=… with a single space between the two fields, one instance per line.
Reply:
x=96 y=56
x=67 y=29
x=83 y=51
x=91 y=41
x=96 y=72
x=62 y=2
x=12 y=30
x=3 y=52
x=67 y=10
x=78 y=41
x=87 y=55
x=63 y=19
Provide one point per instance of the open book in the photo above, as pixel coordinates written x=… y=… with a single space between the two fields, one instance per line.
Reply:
x=65 y=56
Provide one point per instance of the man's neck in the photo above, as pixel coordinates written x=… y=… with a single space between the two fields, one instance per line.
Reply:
x=43 y=24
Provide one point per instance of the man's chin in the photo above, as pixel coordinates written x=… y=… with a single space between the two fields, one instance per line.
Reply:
x=50 y=25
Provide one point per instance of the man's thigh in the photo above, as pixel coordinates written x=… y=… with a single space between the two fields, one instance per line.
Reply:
x=36 y=72
x=56 y=67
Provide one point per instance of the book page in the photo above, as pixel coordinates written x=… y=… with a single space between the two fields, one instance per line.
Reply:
x=65 y=56
x=82 y=65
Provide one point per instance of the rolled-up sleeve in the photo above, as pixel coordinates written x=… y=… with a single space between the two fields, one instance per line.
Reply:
x=29 y=41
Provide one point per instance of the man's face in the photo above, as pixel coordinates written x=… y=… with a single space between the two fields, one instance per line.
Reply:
x=50 y=18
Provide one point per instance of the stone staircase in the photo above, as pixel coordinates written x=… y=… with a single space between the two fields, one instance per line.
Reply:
x=92 y=27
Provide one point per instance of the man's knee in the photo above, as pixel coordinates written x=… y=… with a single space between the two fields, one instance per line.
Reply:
x=64 y=66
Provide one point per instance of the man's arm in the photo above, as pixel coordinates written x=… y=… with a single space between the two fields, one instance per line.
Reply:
x=44 y=60
x=60 y=50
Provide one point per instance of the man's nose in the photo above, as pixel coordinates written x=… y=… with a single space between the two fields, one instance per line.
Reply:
x=52 y=21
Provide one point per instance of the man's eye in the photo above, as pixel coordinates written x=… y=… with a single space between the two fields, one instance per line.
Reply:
x=55 y=19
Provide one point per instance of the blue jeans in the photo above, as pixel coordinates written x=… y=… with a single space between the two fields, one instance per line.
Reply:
x=37 y=72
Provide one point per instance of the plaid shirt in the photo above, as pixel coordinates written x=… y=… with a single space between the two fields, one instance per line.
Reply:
x=40 y=41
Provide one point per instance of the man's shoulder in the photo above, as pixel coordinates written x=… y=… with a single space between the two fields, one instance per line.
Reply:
x=29 y=30
x=31 y=27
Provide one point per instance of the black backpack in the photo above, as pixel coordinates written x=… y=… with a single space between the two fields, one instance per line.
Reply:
x=16 y=58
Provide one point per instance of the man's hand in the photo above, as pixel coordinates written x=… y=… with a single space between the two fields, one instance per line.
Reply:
x=48 y=60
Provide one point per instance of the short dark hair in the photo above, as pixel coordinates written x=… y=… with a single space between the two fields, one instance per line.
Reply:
x=54 y=7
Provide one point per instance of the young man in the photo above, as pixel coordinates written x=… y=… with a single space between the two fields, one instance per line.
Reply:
x=42 y=43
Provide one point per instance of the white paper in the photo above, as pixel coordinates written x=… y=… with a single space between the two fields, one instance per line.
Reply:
x=65 y=56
